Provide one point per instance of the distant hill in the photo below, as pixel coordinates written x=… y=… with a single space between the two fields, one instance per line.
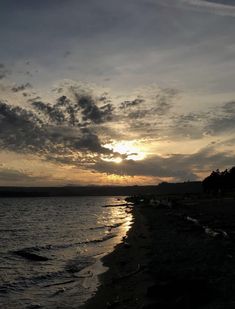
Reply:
x=163 y=188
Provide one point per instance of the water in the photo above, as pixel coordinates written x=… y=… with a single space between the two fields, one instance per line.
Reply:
x=51 y=248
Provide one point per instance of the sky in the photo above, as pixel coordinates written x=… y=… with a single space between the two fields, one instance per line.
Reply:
x=128 y=92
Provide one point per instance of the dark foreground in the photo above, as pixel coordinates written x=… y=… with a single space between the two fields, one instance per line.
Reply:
x=174 y=257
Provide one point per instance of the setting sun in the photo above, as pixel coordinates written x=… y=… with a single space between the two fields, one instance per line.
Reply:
x=117 y=160
x=129 y=149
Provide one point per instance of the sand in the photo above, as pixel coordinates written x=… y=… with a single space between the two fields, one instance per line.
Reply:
x=178 y=257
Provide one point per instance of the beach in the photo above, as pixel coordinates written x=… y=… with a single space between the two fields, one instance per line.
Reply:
x=176 y=255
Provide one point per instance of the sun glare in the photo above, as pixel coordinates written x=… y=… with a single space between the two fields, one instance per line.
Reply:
x=117 y=160
x=127 y=148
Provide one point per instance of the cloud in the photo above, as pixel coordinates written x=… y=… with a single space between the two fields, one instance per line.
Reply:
x=179 y=166
x=73 y=129
x=224 y=121
x=190 y=125
x=82 y=108
x=54 y=114
x=229 y=107
x=155 y=102
x=91 y=111
x=129 y=104
x=21 y=87
x=145 y=115
x=220 y=7
x=8 y=175
x=25 y=131
x=3 y=71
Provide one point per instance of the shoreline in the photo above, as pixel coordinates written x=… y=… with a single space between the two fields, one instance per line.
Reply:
x=168 y=261
x=126 y=267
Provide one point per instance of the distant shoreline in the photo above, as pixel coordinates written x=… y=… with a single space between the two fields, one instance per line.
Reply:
x=163 y=188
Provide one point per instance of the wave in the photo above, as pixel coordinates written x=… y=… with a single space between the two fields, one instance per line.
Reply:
x=60 y=277
x=35 y=253
x=106 y=226
x=32 y=254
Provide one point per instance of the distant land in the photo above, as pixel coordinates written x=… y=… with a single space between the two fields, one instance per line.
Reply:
x=162 y=188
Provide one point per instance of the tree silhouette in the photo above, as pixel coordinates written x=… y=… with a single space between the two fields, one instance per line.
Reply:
x=220 y=182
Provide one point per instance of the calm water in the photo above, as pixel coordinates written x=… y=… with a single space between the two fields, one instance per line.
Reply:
x=70 y=234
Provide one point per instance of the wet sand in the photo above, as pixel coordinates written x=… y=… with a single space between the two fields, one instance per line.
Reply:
x=174 y=257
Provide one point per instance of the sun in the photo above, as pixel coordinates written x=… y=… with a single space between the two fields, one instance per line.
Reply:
x=117 y=160
x=129 y=149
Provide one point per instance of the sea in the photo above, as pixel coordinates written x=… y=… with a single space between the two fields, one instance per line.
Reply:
x=51 y=248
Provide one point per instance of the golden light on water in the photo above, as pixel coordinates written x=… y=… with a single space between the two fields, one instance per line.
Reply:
x=117 y=212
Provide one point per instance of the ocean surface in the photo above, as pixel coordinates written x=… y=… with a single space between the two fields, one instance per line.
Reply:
x=51 y=248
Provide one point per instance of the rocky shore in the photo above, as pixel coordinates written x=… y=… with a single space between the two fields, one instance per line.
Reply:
x=178 y=254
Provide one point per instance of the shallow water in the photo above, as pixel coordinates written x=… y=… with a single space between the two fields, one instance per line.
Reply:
x=50 y=248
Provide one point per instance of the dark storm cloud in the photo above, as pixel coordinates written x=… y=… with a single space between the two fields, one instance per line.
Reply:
x=178 y=166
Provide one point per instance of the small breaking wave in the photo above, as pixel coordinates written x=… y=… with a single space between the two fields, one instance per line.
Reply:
x=35 y=253
x=55 y=278
x=32 y=254
x=113 y=226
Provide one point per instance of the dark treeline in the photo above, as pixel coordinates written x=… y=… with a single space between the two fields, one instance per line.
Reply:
x=220 y=182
